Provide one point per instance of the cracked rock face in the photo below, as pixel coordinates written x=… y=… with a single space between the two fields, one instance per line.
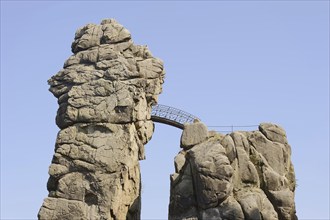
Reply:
x=242 y=175
x=105 y=92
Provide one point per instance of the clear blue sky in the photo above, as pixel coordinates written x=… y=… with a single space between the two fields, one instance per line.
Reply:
x=228 y=62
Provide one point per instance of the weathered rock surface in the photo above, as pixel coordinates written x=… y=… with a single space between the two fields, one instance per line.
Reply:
x=242 y=175
x=105 y=92
x=193 y=134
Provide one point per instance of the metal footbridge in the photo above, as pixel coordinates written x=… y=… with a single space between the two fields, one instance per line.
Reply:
x=177 y=118
x=171 y=116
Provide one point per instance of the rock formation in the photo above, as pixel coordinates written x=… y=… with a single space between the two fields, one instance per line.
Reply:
x=242 y=175
x=105 y=92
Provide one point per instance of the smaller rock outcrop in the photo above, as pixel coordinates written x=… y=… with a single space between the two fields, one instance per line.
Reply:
x=242 y=175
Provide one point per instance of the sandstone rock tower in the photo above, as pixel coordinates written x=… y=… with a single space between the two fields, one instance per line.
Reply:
x=105 y=92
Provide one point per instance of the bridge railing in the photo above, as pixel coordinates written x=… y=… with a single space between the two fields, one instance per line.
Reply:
x=232 y=128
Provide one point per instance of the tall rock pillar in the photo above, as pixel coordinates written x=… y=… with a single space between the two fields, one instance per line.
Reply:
x=105 y=92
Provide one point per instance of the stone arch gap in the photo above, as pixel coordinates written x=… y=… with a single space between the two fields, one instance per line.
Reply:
x=156 y=169
x=156 y=172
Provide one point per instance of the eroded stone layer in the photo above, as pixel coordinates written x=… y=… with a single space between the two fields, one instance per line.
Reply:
x=105 y=92
x=242 y=175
